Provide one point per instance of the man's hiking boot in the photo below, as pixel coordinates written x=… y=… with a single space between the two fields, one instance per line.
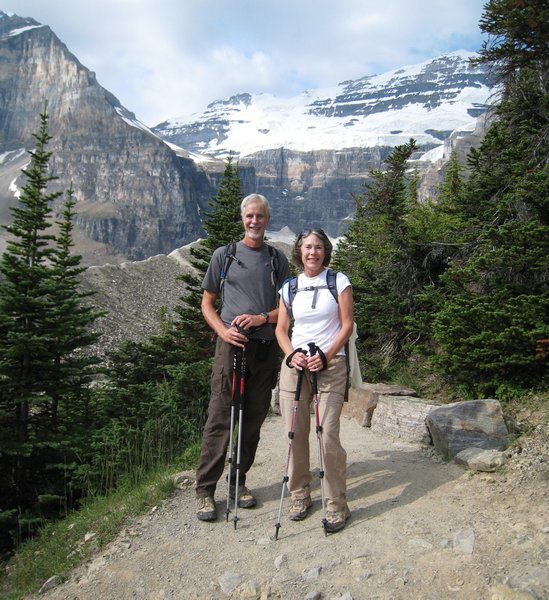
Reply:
x=205 y=509
x=336 y=519
x=299 y=508
x=245 y=497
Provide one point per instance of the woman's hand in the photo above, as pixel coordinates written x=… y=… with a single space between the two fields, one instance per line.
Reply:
x=299 y=361
x=314 y=363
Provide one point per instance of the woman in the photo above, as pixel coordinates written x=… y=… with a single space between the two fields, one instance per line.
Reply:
x=321 y=319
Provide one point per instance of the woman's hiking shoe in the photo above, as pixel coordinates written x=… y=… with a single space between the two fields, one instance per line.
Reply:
x=205 y=509
x=299 y=508
x=336 y=519
x=245 y=497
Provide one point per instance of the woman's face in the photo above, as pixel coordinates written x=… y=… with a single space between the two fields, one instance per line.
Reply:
x=312 y=254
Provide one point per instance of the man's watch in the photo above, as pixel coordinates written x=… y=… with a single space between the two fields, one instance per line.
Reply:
x=266 y=315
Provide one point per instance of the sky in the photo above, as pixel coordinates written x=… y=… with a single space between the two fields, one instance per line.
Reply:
x=168 y=59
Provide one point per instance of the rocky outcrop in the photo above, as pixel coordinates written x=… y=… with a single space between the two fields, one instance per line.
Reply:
x=313 y=189
x=363 y=400
x=135 y=193
x=478 y=459
x=403 y=418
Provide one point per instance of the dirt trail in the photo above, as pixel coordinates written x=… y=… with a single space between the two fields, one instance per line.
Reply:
x=420 y=529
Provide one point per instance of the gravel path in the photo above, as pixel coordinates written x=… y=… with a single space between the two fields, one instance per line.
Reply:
x=420 y=529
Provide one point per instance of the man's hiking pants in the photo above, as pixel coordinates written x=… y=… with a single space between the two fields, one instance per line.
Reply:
x=261 y=376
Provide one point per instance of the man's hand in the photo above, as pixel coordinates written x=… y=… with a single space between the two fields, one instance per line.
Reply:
x=235 y=335
x=247 y=321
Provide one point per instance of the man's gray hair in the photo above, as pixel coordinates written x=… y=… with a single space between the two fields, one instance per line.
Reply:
x=255 y=198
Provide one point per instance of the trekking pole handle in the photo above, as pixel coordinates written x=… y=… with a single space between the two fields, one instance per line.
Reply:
x=314 y=349
x=314 y=383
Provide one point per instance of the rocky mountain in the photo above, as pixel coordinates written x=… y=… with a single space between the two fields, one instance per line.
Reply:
x=141 y=192
x=137 y=196
x=312 y=152
x=427 y=101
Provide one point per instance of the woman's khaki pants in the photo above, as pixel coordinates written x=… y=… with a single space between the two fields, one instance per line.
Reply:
x=331 y=389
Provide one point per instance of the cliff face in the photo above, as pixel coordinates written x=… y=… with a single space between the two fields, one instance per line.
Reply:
x=313 y=189
x=136 y=196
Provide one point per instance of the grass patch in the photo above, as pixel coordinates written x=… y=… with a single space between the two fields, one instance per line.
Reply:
x=190 y=457
x=64 y=544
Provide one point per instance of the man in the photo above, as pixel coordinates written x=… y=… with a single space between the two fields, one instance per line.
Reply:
x=247 y=284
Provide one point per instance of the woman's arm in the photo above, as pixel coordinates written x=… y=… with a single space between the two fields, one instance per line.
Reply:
x=299 y=360
x=282 y=329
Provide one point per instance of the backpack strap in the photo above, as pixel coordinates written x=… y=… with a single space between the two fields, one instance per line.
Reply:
x=331 y=277
x=292 y=291
x=275 y=265
x=230 y=255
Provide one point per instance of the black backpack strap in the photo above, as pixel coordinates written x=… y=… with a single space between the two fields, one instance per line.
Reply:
x=230 y=255
x=331 y=277
x=275 y=265
x=348 y=365
x=292 y=289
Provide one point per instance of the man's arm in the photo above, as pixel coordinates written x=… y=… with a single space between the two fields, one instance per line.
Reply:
x=230 y=335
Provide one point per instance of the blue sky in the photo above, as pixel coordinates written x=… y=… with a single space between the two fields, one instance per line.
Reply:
x=170 y=58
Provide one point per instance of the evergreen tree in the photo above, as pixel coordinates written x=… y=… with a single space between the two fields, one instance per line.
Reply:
x=377 y=255
x=223 y=225
x=496 y=300
x=70 y=318
x=25 y=351
x=436 y=233
x=43 y=328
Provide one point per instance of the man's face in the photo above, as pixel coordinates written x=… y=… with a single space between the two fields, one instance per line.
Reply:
x=255 y=221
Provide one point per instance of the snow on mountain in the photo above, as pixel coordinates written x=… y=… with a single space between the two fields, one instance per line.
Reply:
x=426 y=101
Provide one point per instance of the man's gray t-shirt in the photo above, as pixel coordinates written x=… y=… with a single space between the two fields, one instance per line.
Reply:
x=251 y=285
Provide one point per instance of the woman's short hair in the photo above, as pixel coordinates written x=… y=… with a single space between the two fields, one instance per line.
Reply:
x=255 y=198
x=321 y=235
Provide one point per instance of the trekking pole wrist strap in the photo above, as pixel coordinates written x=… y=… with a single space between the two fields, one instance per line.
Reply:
x=290 y=356
x=322 y=358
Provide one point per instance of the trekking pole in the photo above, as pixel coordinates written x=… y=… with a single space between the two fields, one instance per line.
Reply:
x=233 y=409
x=314 y=384
x=239 y=439
x=290 y=437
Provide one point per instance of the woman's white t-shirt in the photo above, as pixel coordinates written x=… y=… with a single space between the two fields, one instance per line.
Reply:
x=320 y=324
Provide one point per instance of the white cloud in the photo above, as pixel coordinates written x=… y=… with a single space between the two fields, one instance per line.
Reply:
x=165 y=58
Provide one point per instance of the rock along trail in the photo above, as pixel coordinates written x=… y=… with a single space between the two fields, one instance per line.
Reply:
x=420 y=529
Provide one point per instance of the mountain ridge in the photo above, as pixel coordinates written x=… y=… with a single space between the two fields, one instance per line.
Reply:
x=426 y=101
x=141 y=193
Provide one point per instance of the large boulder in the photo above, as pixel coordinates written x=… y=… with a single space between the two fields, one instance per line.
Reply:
x=467 y=424
x=363 y=400
x=403 y=418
